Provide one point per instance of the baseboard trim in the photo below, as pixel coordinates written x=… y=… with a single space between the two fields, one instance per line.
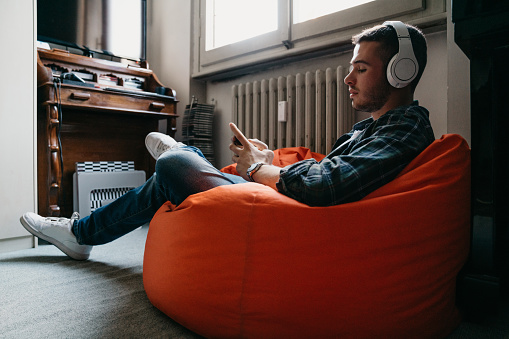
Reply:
x=18 y=243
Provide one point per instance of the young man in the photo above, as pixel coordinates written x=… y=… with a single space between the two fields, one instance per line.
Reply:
x=387 y=63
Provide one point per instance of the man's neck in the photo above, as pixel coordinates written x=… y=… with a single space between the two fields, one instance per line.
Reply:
x=395 y=101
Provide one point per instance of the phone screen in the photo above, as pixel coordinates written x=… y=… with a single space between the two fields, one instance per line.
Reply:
x=236 y=141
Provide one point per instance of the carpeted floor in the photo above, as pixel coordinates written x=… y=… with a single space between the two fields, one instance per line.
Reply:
x=44 y=294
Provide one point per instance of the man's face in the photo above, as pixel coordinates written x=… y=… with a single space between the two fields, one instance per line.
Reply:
x=369 y=88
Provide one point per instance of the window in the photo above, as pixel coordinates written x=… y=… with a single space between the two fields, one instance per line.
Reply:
x=245 y=34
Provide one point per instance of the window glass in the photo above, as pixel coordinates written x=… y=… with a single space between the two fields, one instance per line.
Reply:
x=230 y=21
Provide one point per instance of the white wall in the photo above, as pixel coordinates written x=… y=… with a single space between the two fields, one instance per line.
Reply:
x=458 y=90
x=168 y=48
x=17 y=122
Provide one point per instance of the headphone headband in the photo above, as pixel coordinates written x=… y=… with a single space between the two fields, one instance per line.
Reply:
x=403 y=67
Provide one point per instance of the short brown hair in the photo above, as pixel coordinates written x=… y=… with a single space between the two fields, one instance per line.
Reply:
x=388 y=38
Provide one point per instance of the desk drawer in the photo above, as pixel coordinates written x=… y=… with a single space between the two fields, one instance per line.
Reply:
x=96 y=98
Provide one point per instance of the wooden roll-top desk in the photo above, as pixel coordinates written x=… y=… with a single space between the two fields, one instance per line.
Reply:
x=104 y=118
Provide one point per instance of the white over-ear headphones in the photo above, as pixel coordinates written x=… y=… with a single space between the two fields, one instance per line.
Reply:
x=403 y=67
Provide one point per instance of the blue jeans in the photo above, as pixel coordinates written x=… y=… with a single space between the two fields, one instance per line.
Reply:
x=180 y=172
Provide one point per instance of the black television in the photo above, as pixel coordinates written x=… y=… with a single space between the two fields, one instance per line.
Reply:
x=115 y=28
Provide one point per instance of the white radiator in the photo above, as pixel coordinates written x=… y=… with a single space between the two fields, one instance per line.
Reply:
x=318 y=109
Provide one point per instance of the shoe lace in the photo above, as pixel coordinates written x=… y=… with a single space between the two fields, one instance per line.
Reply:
x=162 y=147
x=61 y=220
x=74 y=216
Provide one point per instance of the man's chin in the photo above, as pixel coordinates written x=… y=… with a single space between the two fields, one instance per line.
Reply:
x=360 y=108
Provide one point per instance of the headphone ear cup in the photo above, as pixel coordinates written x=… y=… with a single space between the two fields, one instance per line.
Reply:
x=401 y=71
x=403 y=66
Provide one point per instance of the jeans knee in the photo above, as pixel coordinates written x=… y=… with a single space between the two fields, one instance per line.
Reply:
x=173 y=163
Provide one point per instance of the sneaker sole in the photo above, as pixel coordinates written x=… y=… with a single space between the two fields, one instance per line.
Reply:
x=74 y=255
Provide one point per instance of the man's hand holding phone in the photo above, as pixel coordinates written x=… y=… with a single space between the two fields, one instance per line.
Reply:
x=248 y=151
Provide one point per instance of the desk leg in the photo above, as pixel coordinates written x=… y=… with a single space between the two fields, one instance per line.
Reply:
x=49 y=171
x=54 y=161
x=172 y=126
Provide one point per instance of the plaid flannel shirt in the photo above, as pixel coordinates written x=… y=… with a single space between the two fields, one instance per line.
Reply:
x=366 y=158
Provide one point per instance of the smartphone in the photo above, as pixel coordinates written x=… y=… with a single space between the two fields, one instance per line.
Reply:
x=236 y=141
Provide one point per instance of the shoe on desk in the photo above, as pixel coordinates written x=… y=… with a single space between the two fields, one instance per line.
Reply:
x=57 y=231
x=158 y=143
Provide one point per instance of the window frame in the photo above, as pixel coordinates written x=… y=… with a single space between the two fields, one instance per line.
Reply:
x=322 y=35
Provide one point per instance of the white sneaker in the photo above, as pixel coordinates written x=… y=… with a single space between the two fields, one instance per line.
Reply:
x=58 y=232
x=158 y=143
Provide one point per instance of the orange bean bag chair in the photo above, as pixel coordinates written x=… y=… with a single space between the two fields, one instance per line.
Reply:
x=246 y=261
